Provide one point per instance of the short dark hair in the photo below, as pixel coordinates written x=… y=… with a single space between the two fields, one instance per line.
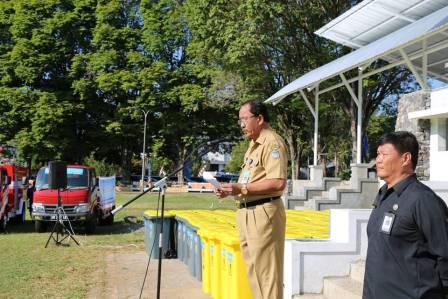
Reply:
x=404 y=142
x=257 y=108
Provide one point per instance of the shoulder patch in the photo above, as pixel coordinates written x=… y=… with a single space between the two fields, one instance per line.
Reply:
x=275 y=153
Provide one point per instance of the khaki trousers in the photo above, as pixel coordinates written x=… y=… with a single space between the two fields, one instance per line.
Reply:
x=262 y=242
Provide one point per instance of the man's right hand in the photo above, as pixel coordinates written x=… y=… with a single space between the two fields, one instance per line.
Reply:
x=220 y=193
x=228 y=189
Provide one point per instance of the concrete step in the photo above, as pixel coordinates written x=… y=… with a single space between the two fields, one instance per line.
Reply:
x=309 y=203
x=310 y=296
x=342 y=287
x=357 y=271
x=301 y=208
x=314 y=198
x=312 y=202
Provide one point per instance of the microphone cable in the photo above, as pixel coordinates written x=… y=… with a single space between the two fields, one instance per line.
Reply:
x=152 y=248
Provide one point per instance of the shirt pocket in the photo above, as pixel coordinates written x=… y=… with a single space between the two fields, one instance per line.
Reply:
x=253 y=162
x=404 y=228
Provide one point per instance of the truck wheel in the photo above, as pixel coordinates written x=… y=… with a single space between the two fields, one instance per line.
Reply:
x=40 y=226
x=109 y=220
x=21 y=218
x=3 y=224
x=91 y=222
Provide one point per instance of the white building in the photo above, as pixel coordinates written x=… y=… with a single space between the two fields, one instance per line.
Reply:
x=438 y=116
x=217 y=161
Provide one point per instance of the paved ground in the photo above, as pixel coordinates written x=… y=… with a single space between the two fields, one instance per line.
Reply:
x=124 y=273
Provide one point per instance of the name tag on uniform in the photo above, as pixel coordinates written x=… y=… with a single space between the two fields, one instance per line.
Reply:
x=245 y=178
x=388 y=221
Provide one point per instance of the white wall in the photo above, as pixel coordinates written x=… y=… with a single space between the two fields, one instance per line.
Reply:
x=439 y=98
x=439 y=187
x=438 y=159
x=438 y=166
x=308 y=261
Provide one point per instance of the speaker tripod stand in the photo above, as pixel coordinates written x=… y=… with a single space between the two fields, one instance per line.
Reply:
x=62 y=231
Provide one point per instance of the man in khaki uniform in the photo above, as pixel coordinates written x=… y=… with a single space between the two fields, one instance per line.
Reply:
x=261 y=215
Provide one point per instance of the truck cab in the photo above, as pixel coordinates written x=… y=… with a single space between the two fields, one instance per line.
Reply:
x=80 y=201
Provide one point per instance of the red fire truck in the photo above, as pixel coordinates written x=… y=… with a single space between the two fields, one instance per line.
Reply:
x=81 y=200
x=12 y=201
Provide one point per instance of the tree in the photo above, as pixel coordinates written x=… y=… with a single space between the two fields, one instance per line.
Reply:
x=383 y=121
x=107 y=80
x=39 y=39
x=267 y=44
x=270 y=43
x=187 y=113
x=237 y=156
x=377 y=88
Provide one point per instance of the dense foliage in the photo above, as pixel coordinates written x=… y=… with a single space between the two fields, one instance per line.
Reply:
x=77 y=76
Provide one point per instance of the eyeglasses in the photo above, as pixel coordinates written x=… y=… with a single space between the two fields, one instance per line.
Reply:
x=245 y=119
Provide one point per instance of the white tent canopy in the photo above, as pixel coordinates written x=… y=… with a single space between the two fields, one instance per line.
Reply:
x=437 y=22
x=422 y=46
x=373 y=19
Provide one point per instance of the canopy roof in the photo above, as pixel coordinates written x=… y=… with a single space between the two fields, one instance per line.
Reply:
x=371 y=20
x=426 y=36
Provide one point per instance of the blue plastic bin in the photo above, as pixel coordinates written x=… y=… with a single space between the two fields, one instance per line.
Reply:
x=180 y=239
x=190 y=261
x=152 y=231
x=197 y=257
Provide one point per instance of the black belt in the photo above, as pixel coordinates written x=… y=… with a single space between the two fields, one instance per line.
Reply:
x=257 y=202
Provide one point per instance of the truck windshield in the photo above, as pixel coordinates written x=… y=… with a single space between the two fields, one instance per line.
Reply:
x=77 y=178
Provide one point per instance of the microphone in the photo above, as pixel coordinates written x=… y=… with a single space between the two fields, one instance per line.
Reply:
x=117 y=209
x=160 y=183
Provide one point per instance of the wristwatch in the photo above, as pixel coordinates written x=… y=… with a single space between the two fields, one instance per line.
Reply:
x=244 y=189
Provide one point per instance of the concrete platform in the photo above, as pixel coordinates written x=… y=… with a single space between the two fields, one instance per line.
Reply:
x=123 y=277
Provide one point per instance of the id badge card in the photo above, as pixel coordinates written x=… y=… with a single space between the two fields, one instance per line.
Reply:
x=388 y=221
x=245 y=179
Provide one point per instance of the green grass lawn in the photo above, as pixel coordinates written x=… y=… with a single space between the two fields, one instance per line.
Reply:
x=28 y=270
x=179 y=201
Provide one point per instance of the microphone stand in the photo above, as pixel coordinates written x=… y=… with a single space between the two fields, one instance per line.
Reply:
x=59 y=227
x=161 y=183
x=159 y=268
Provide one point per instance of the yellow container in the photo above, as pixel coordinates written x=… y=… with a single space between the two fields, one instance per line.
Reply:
x=205 y=252
x=223 y=270
x=224 y=281
x=236 y=276
x=215 y=266
x=211 y=258
x=153 y=213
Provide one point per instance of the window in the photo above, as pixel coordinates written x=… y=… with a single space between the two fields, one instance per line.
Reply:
x=446 y=134
x=2 y=181
x=442 y=125
x=77 y=178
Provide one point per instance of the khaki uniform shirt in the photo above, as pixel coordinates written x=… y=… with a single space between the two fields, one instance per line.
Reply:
x=266 y=158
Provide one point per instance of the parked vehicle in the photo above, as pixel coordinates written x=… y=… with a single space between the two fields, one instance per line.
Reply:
x=81 y=200
x=12 y=186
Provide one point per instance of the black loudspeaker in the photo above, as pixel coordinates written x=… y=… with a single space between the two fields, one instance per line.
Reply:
x=57 y=177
